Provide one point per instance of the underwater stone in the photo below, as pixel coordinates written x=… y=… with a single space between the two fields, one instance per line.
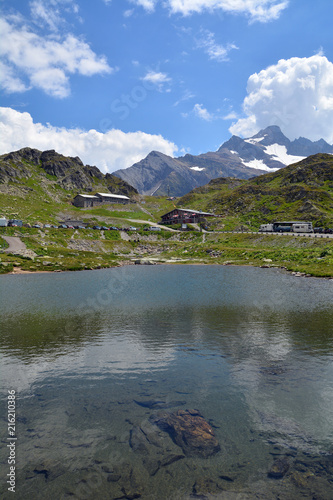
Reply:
x=189 y=430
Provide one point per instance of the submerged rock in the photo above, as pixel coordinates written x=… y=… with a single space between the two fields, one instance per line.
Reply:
x=204 y=486
x=152 y=404
x=189 y=430
x=279 y=468
x=155 y=464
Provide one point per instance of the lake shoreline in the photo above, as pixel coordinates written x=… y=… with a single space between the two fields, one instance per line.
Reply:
x=19 y=271
x=55 y=252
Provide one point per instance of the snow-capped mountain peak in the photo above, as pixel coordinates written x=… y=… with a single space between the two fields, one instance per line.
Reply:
x=267 y=151
x=270 y=149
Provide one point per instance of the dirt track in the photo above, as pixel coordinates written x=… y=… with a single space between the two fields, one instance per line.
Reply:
x=15 y=244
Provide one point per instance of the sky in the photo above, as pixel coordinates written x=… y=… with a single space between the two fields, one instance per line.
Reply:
x=111 y=80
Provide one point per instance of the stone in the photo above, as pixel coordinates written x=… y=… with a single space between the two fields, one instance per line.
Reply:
x=154 y=465
x=204 y=486
x=153 y=404
x=189 y=430
x=113 y=477
x=51 y=470
x=138 y=441
x=279 y=468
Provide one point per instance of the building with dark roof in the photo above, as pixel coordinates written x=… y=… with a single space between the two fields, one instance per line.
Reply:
x=89 y=200
x=184 y=216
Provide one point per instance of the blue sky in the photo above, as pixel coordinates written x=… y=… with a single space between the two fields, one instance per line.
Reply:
x=112 y=80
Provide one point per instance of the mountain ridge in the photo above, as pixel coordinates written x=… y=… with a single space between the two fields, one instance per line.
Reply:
x=266 y=151
x=69 y=173
x=303 y=190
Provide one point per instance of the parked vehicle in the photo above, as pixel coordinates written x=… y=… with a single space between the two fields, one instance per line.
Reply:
x=293 y=227
x=328 y=230
x=97 y=227
x=132 y=228
x=113 y=228
x=15 y=223
x=79 y=227
x=288 y=227
x=154 y=228
x=302 y=227
x=318 y=230
x=266 y=228
x=62 y=226
x=3 y=222
x=46 y=226
x=36 y=226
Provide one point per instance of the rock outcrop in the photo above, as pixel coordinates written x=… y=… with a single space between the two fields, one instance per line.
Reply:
x=50 y=167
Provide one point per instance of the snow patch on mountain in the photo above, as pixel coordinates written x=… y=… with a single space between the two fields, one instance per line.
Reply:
x=280 y=152
x=255 y=140
x=197 y=169
x=259 y=164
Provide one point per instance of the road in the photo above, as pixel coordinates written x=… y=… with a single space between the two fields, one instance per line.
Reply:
x=152 y=224
x=307 y=235
x=15 y=244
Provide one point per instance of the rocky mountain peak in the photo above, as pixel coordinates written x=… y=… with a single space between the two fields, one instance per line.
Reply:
x=67 y=172
x=271 y=135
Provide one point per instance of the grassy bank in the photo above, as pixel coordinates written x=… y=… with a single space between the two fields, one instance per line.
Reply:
x=58 y=250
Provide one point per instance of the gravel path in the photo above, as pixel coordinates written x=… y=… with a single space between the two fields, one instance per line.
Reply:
x=15 y=244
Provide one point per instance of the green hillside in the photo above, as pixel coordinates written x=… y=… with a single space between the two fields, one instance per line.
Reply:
x=39 y=186
x=302 y=191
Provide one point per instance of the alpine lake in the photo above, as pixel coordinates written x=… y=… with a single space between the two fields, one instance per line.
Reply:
x=168 y=383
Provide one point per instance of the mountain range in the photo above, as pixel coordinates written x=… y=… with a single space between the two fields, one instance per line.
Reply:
x=301 y=191
x=267 y=151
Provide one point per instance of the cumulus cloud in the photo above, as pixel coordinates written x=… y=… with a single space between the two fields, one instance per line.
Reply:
x=45 y=62
x=256 y=10
x=214 y=50
x=157 y=79
x=202 y=113
x=296 y=94
x=109 y=151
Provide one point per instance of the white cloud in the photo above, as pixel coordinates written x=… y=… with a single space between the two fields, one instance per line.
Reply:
x=230 y=116
x=185 y=97
x=45 y=62
x=214 y=50
x=256 y=10
x=51 y=13
x=202 y=113
x=42 y=13
x=128 y=12
x=108 y=151
x=148 y=5
x=10 y=82
x=296 y=94
x=157 y=79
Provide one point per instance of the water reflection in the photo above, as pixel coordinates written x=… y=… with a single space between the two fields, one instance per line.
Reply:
x=251 y=348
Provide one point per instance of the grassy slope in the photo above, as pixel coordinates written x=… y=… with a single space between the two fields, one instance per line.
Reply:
x=303 y=191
